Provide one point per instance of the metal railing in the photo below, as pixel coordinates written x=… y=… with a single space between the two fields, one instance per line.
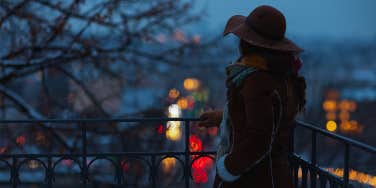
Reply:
x=85 y=159
x=15 y=161
x=319 y=177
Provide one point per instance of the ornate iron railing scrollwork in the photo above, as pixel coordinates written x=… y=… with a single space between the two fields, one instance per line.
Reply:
x=306 y=173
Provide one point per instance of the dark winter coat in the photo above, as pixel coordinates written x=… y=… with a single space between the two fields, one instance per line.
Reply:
x=252 y=108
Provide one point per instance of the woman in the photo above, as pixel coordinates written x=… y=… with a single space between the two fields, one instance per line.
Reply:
x=264 y=94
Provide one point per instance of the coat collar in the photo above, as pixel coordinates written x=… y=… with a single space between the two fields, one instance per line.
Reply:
x=246 y=65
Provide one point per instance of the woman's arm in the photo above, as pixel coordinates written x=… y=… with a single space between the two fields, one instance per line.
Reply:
x=211 y=119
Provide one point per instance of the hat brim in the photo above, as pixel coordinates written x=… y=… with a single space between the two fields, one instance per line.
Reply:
x=237 y=26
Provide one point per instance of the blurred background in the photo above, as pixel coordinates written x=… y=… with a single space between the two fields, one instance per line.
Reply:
x=166 y=58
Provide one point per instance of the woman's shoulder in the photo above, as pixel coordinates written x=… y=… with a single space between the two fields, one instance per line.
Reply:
x=259 y=81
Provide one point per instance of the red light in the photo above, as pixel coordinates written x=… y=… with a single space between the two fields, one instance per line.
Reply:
x=191 y=102
x=202 y=165
x=199 y=175
x=125 y=166
x=160 y=129
x=195 y=144
x=200 y=169
x=213 y=131
x=203 y=162
x=3 y=150
x=67 y=162
x=20 y=140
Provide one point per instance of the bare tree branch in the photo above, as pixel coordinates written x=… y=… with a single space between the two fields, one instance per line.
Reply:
x=29 y=110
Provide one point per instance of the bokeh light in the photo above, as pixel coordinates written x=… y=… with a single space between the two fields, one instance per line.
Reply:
x=331 y=126
x=330 y=105
x=191 y=84
x=173 y=93
x=173 y=131
x=183 y=103
x=168 y=164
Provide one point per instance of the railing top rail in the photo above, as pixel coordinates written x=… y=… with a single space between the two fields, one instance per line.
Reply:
x=70 y=155
x=99 y=120
x=344 y=139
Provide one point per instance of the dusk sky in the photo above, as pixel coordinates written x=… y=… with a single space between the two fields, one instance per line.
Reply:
x=337 y=19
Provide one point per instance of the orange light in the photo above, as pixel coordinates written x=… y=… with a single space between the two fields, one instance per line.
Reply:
x=191 y=84
x=352 y=106
x=344 y=116
x=345 y=126
x=168 y=164
x=331 y=126
x=40 y=138
x=183 y=103
x=351 y=126
x=331 y=116
x=330 y=105
x=354 y=175
x=344 y=105
x=33 y=164
x=173 y=131
x=173 y=93
x=332 y=94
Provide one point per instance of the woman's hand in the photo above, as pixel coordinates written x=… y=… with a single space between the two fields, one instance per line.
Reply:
x=210 y=119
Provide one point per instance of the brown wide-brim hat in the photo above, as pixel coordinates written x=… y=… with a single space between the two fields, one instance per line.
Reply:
x=264 y=27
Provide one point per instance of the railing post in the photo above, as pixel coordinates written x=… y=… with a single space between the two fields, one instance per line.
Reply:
x=153 y=171
x=84 y=155
x=313 y=173
x=187 y=154
x=346 y=166
x=49 y=171
x=292 y=139
x=119 y=173
x=14 y=172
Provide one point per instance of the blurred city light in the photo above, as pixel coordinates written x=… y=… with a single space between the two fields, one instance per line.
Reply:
x=160 y=129
x=195 y=143
x=168 y=164
x=173 y=93
x=173 y=131
x=331 y=126
x=20 y=140
x=191 y=84
x=330 y=105
x=201 y=165
x=340 y=110
x=33 y=164
x=3 y=150
x=331 y=116
x=183 y=103
x=355 y=176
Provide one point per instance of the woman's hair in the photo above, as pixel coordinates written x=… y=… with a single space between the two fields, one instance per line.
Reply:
x=246 y=48
x=281 y=63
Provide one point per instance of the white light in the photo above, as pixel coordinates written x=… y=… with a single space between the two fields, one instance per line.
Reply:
x=173 y=131
x=174 y=111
